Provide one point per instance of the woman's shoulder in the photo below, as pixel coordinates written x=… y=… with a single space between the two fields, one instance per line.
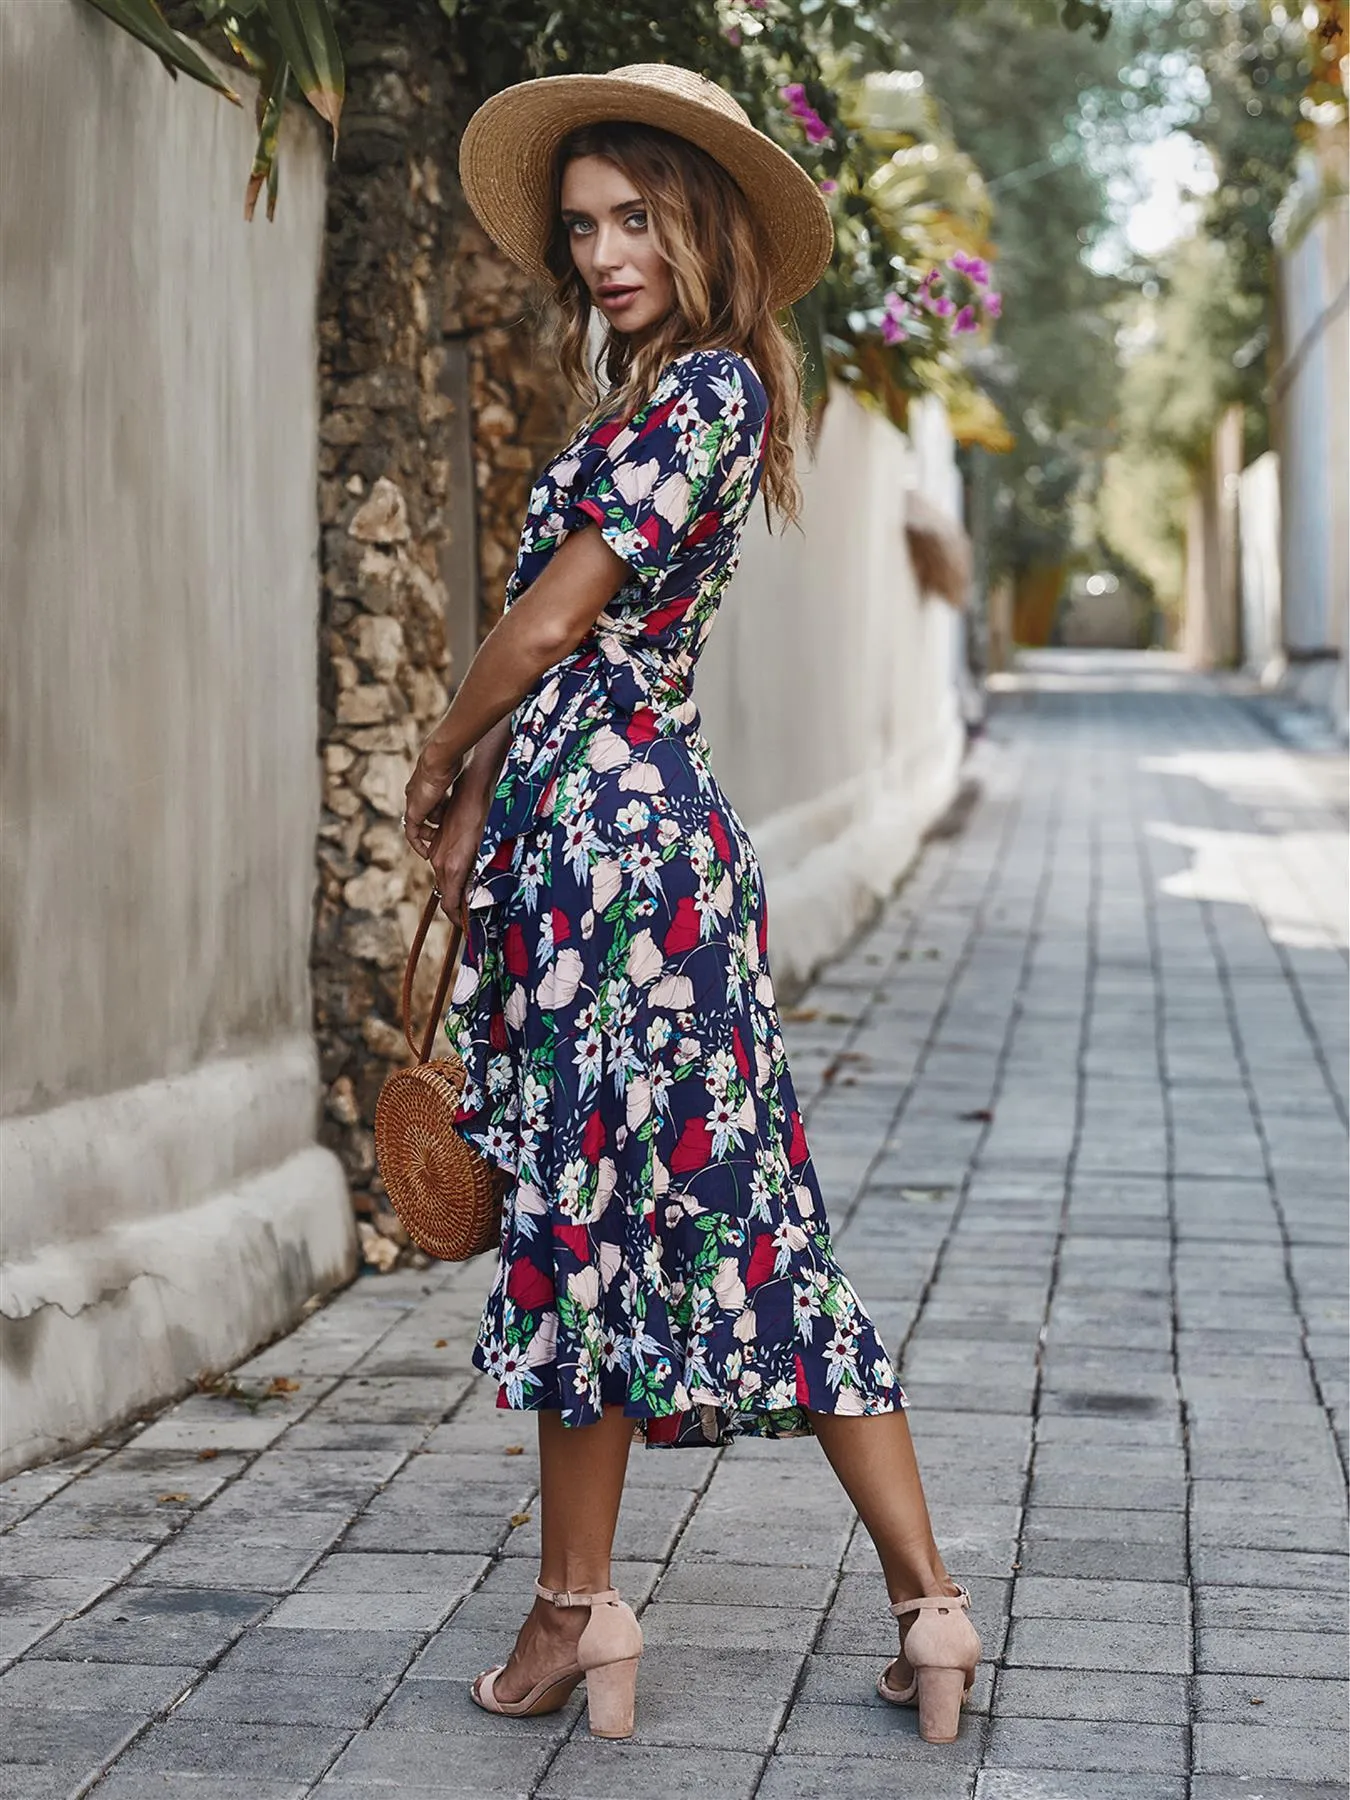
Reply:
x=723 y=374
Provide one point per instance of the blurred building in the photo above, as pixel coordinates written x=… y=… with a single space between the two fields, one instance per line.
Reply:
x=1268 y=545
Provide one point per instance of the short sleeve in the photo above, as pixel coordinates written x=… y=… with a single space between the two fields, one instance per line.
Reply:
x=656 y=483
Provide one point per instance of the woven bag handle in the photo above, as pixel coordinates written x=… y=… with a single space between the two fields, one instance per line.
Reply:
x=457 y=936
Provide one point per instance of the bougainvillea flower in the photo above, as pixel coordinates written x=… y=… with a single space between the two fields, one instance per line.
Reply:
x=892 y=331
x=814 y=128
x=965 y=320
x=827 y=186
x=975 y=268
x=993 y=305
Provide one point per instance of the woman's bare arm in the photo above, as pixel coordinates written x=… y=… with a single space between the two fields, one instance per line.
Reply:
x=545 y=624
x=455 y=831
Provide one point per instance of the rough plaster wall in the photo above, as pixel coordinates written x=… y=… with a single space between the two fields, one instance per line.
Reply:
x=826 y=690
x=160 y=782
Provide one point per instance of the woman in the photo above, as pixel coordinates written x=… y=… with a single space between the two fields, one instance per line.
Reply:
x=666 y=1265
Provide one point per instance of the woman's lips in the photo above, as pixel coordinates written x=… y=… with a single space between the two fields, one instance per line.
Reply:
x=613 y=298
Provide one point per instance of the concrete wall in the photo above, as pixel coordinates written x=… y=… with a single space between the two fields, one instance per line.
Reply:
x=827 y=690
x=1311 y=392
x=1259 y=516
x=164 y=1204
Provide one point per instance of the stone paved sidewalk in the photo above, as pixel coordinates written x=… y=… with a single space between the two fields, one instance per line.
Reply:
x=1078 y=1102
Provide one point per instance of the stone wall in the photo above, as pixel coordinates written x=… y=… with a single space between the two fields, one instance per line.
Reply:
x=435 y=414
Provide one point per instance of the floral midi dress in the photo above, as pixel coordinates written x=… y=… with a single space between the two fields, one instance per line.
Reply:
x=664 y=1245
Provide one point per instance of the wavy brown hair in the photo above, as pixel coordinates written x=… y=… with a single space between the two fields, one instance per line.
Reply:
x=703 y=227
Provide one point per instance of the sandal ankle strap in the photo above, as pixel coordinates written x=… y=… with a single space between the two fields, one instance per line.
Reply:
x=960 y=1598
x=605 y=1597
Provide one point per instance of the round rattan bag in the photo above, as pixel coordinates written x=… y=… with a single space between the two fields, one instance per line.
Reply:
x=447 y=1195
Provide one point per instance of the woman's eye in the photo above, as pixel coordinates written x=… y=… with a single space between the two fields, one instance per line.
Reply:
x=578 y=226
x=636 y=221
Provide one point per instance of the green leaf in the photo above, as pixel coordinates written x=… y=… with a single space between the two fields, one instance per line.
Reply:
x=145 y=22
x=309 y=42
x=271 y=105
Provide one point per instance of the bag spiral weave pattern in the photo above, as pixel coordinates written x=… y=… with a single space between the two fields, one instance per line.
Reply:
x=447 y=1195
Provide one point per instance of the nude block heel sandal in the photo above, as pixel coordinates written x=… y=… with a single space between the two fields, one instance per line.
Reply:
x=942 y=1647
x=607 y=1659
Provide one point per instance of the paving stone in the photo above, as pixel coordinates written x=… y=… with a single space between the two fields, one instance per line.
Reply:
x=593 y=1770
x=1312 y=1572
x=823 y=1729
x=250 y=1697
x=397 y=1522
x=86 y=1559
x=141 y=1689
x=1046 y=1693
x=269 y=1568
x=1083 y=1745
x=1259 y=1609
x=80 y=1742
x=720 y=1583
x=1310 y=1654
x=156 y=1625
x=1251 y=1700
x=732 y=1627
x=1047 y=1597
x=406 y=1572
x=360 y=1612
x=20 y=1632
x=242 y=1752
x=158 y=1785
x=1240 y=1787
x=33 y=1781
x=1291 y=1753
x=1098 y=1644
x=1063 y=1784
x=788 y=1777
x=276 y=1650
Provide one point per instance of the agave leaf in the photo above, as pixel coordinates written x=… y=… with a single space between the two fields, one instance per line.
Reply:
x=309 y=42
x=144 y=21
x=271 y=105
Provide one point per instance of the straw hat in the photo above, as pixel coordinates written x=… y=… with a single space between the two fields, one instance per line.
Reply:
x=506 y=162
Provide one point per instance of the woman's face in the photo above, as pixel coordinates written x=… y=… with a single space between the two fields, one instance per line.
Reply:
x=612 y=247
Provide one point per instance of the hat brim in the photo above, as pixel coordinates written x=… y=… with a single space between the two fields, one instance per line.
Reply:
x=508 y=152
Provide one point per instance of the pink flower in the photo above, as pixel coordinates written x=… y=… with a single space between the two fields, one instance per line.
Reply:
x=942 y=306
x=993 y=305
x=892 y=331
x=793 y=96
x=733 y=37
x=974 y=267
x=828 y=187
x=965 y=320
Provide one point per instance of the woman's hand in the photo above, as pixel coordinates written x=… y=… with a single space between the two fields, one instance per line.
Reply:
x=454 y=847
x=425 y=800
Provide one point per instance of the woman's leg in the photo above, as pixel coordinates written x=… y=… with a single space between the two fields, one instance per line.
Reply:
x=581 y=1471
x=874 y=1460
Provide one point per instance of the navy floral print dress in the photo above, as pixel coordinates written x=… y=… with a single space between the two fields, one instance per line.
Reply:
x=664 y=1245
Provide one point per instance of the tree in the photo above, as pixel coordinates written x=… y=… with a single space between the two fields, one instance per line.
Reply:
x=1053 y=369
